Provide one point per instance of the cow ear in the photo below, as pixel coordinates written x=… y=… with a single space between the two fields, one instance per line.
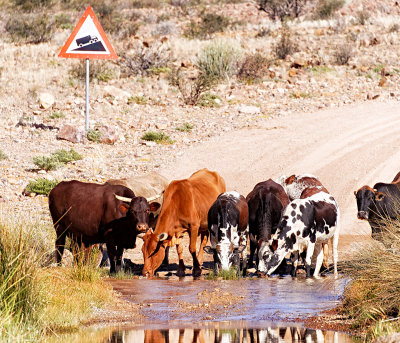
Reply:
x=154 y=206
x=355 y=193
x=162 y=236
x=208 y=250
x=290 y=179
x=124 y=207
x=380 y=196
x=274 y=244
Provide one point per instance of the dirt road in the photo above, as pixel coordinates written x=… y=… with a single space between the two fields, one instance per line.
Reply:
x=346 y=148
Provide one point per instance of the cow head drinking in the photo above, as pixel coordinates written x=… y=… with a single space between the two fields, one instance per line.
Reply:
x=153 y=251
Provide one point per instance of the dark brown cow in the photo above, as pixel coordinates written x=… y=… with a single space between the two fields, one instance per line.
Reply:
x=266 y=203
x=88 y=213
x=185 y=208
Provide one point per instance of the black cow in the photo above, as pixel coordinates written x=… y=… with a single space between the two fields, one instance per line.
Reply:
x=88 y=213
x=227 y=224
x=266 y=203
x=377 y=204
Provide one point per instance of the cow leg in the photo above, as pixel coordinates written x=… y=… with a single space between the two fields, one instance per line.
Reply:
x=203 y=242
x=244 y=261
x=325 y=248
x=112 y=253
x=165 y=260
x=253 y=246
x=60 y=245
x=181 y=267
x=193 y=233
x=335 y=251
x=295 y=261
x=118 y=259
x=318 y=262
x=307 y=262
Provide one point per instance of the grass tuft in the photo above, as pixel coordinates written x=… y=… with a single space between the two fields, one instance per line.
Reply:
x=94 y=135
x=41 y=186
x=57 y=159
x=3 y=156
x=185 y=127
x=158 y=137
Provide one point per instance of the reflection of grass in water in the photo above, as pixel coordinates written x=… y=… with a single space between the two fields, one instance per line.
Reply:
x=224 y=274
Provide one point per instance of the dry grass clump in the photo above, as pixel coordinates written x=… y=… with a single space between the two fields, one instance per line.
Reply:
x=285 y=46
x=343 y=54
x=98 y=70
x=254 y=67
x=326 y=8
x=373 y=295
x=209 y=24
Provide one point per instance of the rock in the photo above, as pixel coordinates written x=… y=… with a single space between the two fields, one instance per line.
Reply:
x=382 y=81
x=108 y=135
x=245 y=109
x=116 y=93
x=298 y=63
x=70 y=133
x=292 y=72
x=393 y=338
x=46 y=100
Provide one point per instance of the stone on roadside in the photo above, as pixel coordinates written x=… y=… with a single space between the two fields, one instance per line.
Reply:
x=246 y=109
x=46 y=100
x=70 y=133
x=108 y=135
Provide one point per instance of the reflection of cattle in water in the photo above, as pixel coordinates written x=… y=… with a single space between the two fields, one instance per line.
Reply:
x=86 y=40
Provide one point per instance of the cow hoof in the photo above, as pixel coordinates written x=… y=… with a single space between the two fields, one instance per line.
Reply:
x=196 y=272
x=180 y=273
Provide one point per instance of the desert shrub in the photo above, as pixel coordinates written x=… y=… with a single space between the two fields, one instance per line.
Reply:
x=263 y=32
x=158 y=137
x=3 y=156
x=29 y=5
x=373 y=294
x=145 y=57
x=219 y=59
x=326 y=8
x=209 y=100
x=343 y=54
x=185 y=127
x=97 y=70
x=56 y=160
x=191 y=89
x=93 y=135
x=209 y=24
x=63 y=21
x=57 y=115
x=253 y=67
x=278 y=9
x=285 y=46
x=41 y=186
x=363 y=16
x=137 y=99
x=146 y=3
x=394 y=28
x=30 y=28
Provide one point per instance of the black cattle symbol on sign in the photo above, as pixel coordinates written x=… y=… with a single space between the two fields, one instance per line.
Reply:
x=89 y=43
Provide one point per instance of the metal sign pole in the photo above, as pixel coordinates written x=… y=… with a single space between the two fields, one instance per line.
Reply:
x=87 y=96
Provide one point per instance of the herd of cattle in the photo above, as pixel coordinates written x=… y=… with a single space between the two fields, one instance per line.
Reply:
x=292 y=217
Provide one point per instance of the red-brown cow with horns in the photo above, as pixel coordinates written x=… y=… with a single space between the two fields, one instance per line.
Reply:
x=185 y=208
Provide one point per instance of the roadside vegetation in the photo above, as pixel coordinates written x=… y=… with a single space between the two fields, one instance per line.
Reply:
x=372 y=298
x=56 y=159
x=36 y=299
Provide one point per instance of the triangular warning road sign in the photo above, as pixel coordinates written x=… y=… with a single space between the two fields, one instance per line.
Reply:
x=88 y=40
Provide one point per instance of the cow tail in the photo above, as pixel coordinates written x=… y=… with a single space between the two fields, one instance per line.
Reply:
x=266 y=218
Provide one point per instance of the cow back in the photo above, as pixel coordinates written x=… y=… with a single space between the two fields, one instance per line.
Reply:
x=82 y=208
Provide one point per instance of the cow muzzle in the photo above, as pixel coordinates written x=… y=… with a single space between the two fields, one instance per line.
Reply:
x=363 y=215
x=142 y=228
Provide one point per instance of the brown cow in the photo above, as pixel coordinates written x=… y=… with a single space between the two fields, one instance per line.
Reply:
x=185 y=209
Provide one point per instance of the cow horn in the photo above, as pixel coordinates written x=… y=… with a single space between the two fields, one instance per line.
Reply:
x=153 y=198
x=123 y=198
x=375 y=190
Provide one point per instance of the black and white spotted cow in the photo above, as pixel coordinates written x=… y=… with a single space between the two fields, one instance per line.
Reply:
x=305 y=225
x=228 y=227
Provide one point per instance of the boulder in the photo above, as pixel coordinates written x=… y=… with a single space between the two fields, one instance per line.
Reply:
x=116 y=93
x=70 y=133
x=108 y=135
x=46 y=100
x=245 y=109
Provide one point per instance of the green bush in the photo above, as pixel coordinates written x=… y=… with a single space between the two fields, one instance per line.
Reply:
x=3 y=156
x=63 y=21
x=185 y=127
x=30 y=28
x=219 y=60
x=137 y=99
x=209 y=24
x=41 y=186
x=56 y=160
x=326 y=8
x=278 y=9
x=94 y=135
x=209 y=100
x=146 y=3
x=158 y=137
x=57 y=115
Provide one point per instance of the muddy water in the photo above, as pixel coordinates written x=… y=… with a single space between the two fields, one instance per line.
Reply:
x=250 y=300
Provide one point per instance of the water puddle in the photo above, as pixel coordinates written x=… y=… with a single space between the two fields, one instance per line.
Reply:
x=252 y=300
